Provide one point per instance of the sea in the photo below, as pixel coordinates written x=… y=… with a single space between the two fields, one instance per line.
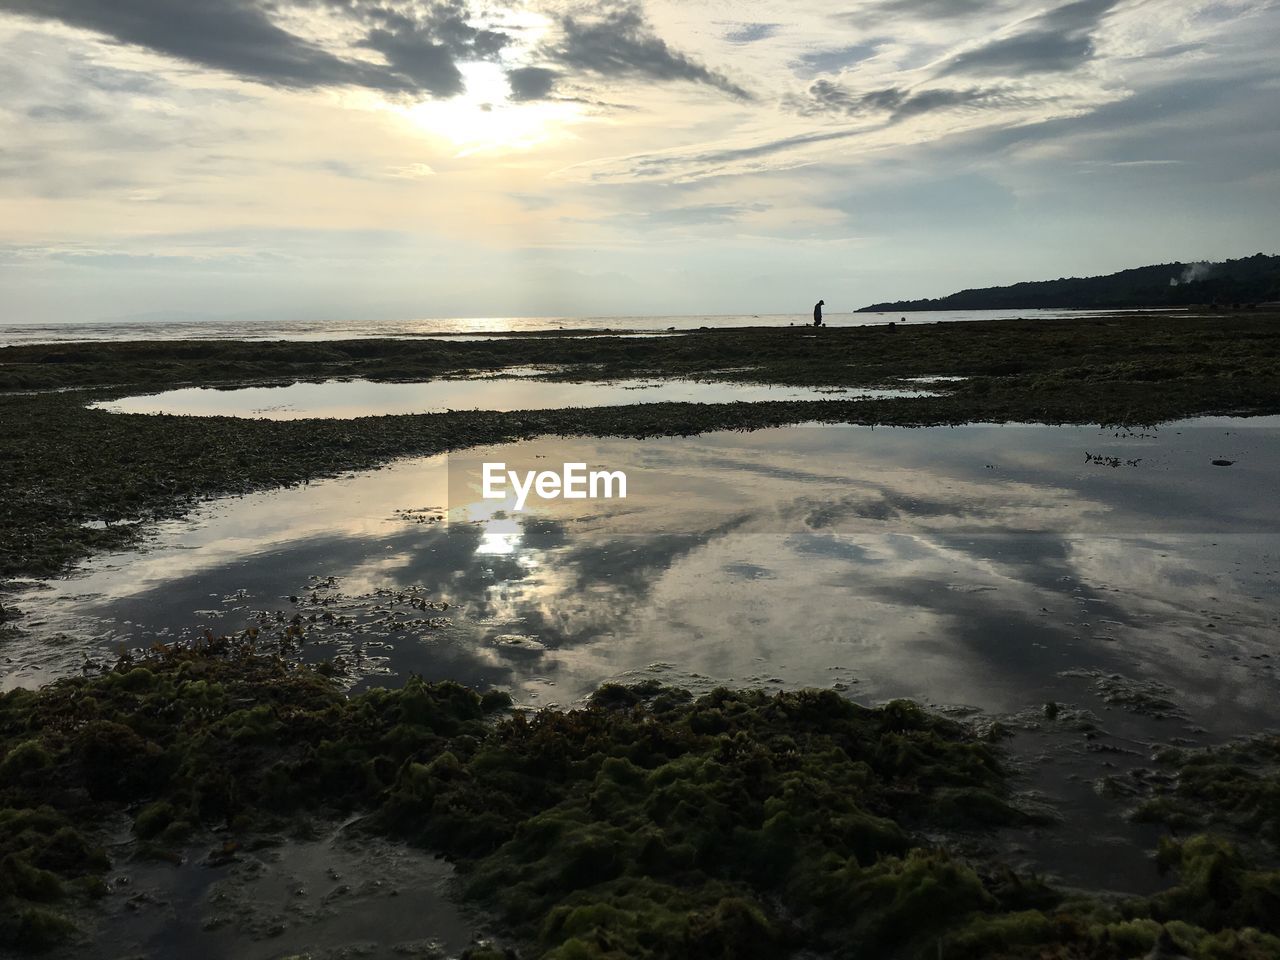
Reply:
x=474 y=328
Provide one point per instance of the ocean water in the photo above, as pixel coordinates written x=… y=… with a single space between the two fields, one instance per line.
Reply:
x=20 y=332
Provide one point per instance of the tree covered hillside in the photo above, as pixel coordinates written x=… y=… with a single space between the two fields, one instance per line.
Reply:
x=1249 y=280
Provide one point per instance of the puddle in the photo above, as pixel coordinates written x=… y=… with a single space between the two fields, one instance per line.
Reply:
x=994 y=568
x=336 y=897
x=346 y=399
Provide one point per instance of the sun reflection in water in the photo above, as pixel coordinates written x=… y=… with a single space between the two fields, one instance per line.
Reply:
x=499 y=542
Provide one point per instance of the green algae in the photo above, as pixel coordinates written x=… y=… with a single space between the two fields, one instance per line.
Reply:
x=195 y=739
x=1222 y=907
x=35 y=929
x=646 y=824
x=1219 y=888
x=1234 y=788
x=739 y=824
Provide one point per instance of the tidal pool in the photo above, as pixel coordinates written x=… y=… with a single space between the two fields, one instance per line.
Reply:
x=987 y=569
x=356 y=895
x=346 y=399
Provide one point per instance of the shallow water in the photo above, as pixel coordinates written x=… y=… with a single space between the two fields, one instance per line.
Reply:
x=982 y=567
x=469 y=328
x=345 y=399
x=327 y=898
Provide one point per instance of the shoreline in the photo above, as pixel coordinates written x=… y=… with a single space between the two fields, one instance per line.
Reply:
x=306 y=331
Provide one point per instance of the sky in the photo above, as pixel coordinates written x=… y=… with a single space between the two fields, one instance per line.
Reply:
x=399 y=159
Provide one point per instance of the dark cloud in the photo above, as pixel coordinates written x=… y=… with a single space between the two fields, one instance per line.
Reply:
x=937 y=9
x=231 y=35
x=709 y=162
x=531 y=83
x=412 y=54
x=915 y=9
x=64 y=112
x=927 y=101
x=449 y=22
x=829 y=96
x=619 y=42
x=1228 y=144
x=421 y=42
x=1054 y=42
x=751 y=32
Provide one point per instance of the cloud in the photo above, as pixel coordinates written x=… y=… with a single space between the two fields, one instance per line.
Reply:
x=241 y=38
x=829 y=61
x=680 y=166
x=420 y=43
x=412 y=171
x=1054 y=42
x=620 y=43
x=93 y=124
x=230 y=35
x=448 y=20
x=424 y=43
x=692 y=215
x=531 y=83
x=64 y=113
x=830 y=96
x=750 y=32
x=430 y=66
x=926 y=9
x=1208 y=124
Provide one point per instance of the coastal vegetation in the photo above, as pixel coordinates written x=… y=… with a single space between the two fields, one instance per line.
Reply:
x=1246 y=282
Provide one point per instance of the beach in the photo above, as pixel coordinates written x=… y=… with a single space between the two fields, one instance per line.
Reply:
x=1076 y=584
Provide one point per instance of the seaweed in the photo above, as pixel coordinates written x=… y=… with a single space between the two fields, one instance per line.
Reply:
x=647 y=823
x=189 y=739
x=1233 y=788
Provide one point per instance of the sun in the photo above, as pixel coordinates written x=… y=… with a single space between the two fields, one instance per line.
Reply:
x=484 y=120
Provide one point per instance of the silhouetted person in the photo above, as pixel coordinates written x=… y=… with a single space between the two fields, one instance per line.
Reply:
x=817 y=313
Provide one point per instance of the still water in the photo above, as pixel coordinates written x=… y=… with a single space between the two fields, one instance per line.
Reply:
x=981 y=568
x=960 y=564
x=346 y=399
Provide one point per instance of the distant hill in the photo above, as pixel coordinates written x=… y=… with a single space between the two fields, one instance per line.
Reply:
x=1253 y=279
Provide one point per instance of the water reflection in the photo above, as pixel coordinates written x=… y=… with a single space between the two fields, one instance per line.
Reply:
x=995 y=567
x=347 y=399
x=962 y=565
